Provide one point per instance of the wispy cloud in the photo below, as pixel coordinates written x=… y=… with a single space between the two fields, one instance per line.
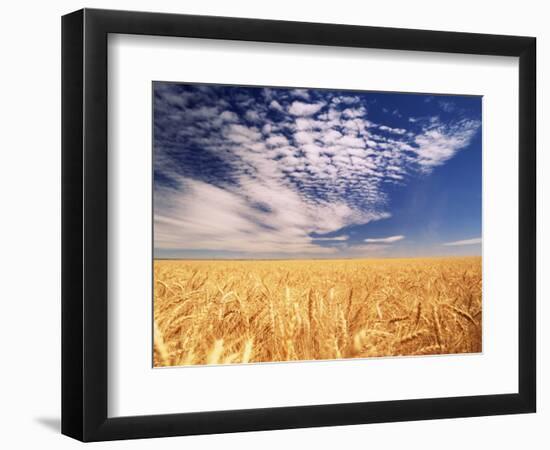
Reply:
x=447 y=106
x=259 y=217
x=439 y=142
x=387 y=240
x=474 y=241
x=392 y=130
x=337 y=238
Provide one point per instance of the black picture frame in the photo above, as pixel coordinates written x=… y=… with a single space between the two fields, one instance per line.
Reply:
x=84 y=224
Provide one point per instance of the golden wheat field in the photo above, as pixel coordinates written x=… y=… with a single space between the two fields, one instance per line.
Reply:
x=224 y=312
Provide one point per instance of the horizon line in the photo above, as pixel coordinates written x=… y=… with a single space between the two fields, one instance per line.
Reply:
x=316 y=259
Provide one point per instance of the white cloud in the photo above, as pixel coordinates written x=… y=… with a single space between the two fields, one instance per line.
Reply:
x=204 y=112
x=253 y=116
x=447 y=106
x=396 y=112
x=352 y=141
x=276 y=105
x=242 y=134
x=302 y=93
x=303 y=137
x=438 y=142
x=277 y=140
x=309 y=124
x=392 y=130
x=304 y=109
x=337 y=238
x=474 y=241
x=354 y=112
x=229 y=116
x=349 y=99
x=387 y=240
x=331 y=136
x=198 y=215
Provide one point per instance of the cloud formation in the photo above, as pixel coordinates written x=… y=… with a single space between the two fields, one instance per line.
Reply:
x=264 y=171
x=474 y=241
x=304 y=109
x=337 y=238
x=387 y=240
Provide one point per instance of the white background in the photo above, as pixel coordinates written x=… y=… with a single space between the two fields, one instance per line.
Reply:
x=136 y=389
x=30 y=198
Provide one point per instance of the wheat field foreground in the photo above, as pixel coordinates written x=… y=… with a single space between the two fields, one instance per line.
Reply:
x=223 y=312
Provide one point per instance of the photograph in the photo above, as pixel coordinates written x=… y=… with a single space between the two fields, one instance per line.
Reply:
x=297 y=224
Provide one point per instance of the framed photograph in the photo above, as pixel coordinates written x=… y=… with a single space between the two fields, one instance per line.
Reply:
x=273 y=225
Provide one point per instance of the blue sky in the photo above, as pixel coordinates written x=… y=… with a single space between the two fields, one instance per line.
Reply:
x=252 y=172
